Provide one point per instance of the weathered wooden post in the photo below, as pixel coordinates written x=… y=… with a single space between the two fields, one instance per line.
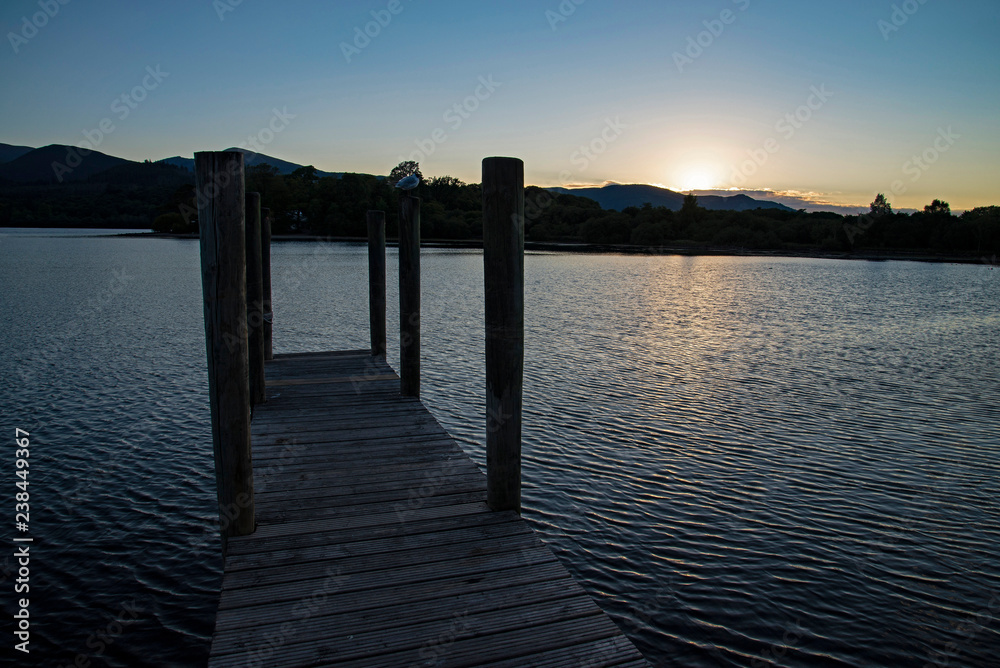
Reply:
x=376 y=281
x=503 y=257
x=409 y=295
x=255 y=299
x=265 y=271
x=220 y=196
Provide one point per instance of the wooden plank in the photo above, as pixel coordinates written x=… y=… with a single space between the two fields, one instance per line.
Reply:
x=363 y=618
x=345 y=536
x=522 y=642
x=408 y=547
x=375 y=545
x=274 y=585
x=340 y=598
x=330 y=380
x=400 y=646
x=613 y=651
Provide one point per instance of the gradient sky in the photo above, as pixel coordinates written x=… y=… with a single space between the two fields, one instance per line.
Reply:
x=564 y=75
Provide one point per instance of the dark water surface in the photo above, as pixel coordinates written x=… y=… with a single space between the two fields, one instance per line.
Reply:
x=744 y=460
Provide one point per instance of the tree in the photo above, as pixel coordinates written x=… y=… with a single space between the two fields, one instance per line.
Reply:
x=881 y=206
x=690 y=212
x=938 y=207
x=307 y=173
x=690 y=205
x=404 y=169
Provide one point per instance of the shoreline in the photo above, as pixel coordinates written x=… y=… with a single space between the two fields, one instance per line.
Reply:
x=582 y=248
x=626 y=249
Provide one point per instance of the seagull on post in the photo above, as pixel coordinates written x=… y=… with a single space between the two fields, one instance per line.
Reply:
x=408 y=183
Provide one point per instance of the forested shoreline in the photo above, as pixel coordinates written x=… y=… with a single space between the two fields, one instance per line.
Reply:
x=162 y=198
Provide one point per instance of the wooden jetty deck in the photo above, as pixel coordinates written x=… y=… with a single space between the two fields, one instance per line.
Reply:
x=375 y=545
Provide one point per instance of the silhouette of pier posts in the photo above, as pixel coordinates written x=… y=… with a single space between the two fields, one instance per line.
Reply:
x=221 y=213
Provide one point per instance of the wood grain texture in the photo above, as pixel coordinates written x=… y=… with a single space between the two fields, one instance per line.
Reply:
x=376 y=282
x=255 y=298
x=503 y=258
x=376 y=546
x=265 y=274
x=221 y=200
x=409 y=295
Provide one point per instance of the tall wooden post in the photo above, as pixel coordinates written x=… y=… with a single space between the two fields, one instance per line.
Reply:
x=503 y=257
x=265 y=271
x=376 y=281
x=409 y=295
x=255 y=299
x=220 y=196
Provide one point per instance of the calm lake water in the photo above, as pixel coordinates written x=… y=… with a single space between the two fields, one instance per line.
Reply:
x=744 y=460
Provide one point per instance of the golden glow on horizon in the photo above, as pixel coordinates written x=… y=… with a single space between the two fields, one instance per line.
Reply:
x=696 y=177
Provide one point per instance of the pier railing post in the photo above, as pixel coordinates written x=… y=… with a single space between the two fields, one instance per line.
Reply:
x=503 y=258
x=409 y=295
x=220 y=196
x=376 y=281
x=255 y=299
x=265 y=274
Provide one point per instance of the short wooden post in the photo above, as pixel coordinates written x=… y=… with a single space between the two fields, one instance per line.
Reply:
x=376 y=281
x=255 y=299
x=503 y=257
x=265 y=274
x=409 y=295
x=220 y=196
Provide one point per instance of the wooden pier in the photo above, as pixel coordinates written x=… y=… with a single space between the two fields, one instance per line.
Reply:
x=375 y=545
x=355 y=531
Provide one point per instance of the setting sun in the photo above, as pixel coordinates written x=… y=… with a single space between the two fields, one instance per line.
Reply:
x=696 y=178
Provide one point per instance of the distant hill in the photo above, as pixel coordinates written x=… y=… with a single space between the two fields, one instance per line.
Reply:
x=144 y=174
x=10 y=152
x=42 y=165
x=617 y=197
x=283 y=166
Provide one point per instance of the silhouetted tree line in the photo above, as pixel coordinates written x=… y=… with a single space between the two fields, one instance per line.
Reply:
x=128 y=196
x=163 y=197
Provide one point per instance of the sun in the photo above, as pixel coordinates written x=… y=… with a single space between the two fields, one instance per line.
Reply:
x=696 y=178
x=699 y=175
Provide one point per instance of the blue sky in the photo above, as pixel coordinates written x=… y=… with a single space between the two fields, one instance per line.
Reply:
x=820 y=103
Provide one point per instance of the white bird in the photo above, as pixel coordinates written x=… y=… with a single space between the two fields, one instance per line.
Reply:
x=408 y=183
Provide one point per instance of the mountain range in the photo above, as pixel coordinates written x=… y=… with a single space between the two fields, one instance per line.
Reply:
x=55 y=164
x=617 y=196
